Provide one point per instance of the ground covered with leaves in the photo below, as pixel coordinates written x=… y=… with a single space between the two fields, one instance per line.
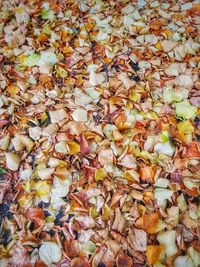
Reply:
x=100 y=131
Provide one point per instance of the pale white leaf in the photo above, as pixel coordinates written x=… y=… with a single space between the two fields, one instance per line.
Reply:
x=50 y=252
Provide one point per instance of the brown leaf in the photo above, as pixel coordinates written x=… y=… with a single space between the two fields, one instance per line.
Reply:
x=119 y=221
x=109 y=257
x=124 y=260
x=138 y=239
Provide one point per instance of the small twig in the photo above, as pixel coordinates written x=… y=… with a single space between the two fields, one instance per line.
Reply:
x=123 y=53
x=105 y=66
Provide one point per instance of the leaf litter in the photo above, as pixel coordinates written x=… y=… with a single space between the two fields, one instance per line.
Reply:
x=99 y=141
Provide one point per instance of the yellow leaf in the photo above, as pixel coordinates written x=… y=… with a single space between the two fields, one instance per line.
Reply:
x=141 y=209
x=165 y=126
x=73 y=148
x=158 y=46
x=93 y=212
x=44 y=116
x=13 y=90
x=82 y=28
x=185 y=127
x=19 y=10
x=28 y=185
x=129 y=106
x=100 y=174
x=106 y=212
x=42 y=188
x=25 y=201
x=89 y=26
x=50 y=218
x=82 y=36
x=153 y=253
x=149 y=77
x=148 y=196
x=132 y=175
x=117 y=135
x=107 y=60
x=168 y=33
x=22 y=58
x=134 y=96
x=67 y=50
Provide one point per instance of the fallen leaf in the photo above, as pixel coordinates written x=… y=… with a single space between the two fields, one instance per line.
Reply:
x=153 y=253
x=105 y=156
x=138 y=239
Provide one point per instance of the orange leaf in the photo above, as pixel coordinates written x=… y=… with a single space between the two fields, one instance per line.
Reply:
x=196 y=245
x=13 y=90
x=155 y=24
x=148 y=222
x=194 y=11
x=193 y=192
x=147 y=173
x=90 y=26
x=138 y=54
x=44 y=78
x=99 y=50
x=36 y=215
x=43 y=37
x=115 y=100
x=120 y=120
x=12 y=129
x=193 y=150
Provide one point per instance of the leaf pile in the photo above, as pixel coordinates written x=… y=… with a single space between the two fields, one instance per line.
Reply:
x=99 y=133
